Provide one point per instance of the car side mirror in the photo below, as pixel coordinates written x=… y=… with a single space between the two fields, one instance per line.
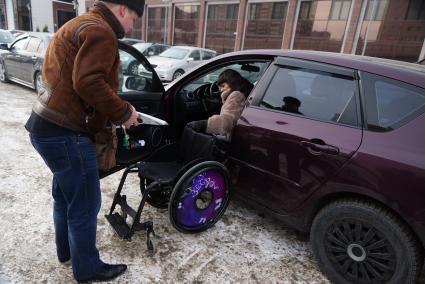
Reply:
x=136 y=83
x=4 y=46
x=190 y=59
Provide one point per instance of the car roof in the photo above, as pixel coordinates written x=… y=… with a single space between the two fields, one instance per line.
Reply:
x=42 y=35
x=404 y=71
x=192 y=48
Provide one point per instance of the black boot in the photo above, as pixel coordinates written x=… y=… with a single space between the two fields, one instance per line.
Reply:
x=108 y=272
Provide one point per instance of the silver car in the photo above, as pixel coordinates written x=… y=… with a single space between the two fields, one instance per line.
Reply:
x=177 y=60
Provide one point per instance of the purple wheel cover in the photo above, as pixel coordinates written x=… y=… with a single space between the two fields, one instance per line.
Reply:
x=187 y=214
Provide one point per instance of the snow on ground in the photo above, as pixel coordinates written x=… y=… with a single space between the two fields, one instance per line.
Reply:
x=242 y=247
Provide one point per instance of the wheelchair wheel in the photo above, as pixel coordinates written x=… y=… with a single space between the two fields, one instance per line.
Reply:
x=200 y=197
x=158 y=199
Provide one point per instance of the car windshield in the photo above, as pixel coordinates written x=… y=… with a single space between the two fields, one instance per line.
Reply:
x=141 y=46
x=175 y=53
x=6 y=37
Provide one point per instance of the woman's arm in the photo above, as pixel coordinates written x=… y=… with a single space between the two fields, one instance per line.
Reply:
x=230 y=112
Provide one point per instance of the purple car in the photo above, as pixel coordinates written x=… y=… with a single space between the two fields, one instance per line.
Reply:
x=330 y=144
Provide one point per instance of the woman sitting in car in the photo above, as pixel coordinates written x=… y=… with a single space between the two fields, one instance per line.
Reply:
x=234 y=91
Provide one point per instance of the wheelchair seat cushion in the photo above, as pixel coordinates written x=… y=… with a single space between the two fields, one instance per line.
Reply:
x=160 y=171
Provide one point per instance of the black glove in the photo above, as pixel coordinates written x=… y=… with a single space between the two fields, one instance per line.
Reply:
x=198 y=125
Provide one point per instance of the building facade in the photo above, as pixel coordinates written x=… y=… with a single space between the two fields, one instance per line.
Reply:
x=384 y=28
x=38 y=15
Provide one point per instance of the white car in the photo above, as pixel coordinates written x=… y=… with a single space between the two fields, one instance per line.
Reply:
x=177 y=60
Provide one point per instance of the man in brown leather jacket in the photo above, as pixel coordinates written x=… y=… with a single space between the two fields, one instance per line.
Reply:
x=80 y=74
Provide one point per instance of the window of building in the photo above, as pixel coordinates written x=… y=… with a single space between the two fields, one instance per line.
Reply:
x=212 y=11
x=314 y=94
x=2 y=15
x=385 y=32
x=340 y=9
x=308 y=10
x=376 y=9
x=321 y=25
x=416 y=10
x=254 y=11
x=265 y=25
x=391 y=103
x=232 y=11
x=186 y=23
x=156 y=27
x=221 y=24
x=279 y=10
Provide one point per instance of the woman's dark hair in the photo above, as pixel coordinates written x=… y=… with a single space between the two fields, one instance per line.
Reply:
x=235 y=81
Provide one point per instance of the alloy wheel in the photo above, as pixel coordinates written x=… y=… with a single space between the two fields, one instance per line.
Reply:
x=360 y=252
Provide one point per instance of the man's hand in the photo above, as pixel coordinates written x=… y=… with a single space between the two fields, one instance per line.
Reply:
x=133 y=120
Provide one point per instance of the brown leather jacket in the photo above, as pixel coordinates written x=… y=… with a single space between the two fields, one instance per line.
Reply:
x=80 y=74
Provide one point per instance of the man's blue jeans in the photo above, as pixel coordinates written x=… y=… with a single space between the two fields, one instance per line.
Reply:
x=76 y=195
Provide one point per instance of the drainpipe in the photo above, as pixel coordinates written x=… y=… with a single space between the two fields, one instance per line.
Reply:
x=75 y=4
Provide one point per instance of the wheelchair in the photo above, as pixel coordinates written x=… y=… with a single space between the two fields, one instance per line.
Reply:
x=189 y=178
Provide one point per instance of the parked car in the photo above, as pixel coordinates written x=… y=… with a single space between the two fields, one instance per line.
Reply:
x=131 y=41
x=148 y=49
x=6 y=37
x=21 y=61
x=17 y=32
x=177 y=60
x=345 y=162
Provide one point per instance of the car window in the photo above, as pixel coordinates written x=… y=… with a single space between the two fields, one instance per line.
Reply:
x=207 y=55
x=391 y=103
x=314 y=94
x=196 y=55
x=250 y=70
x=41 y=47
x=175 y=53
x=33 y=44
x=164 y=47
x=20 y=44
x=134 y=75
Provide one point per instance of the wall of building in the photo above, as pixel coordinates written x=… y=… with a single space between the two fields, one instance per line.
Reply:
x=42 y=15
x=9 y=15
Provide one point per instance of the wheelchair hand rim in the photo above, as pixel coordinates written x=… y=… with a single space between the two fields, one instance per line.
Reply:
x=208 y=183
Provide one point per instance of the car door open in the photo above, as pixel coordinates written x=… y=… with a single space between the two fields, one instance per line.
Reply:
x=145 y=92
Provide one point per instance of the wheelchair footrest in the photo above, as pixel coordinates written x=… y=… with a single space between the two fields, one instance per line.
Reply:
x=122 y=201
x=120 y=226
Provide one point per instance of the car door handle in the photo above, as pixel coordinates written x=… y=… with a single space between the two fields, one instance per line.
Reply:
x=318 y=147
x=34 y=57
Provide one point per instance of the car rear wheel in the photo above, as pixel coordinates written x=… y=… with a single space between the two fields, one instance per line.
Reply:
x=3 y=76
x=177 y=74
x=359 y=242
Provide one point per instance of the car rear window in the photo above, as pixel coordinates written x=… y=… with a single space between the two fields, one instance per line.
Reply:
x=391 y=103
x=6 y=37
x=313 y=94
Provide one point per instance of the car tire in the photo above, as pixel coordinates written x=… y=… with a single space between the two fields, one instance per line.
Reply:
x=38 y=83
x=133 y=68
x=356 y=241
x=177 y=74
x=3 y=75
